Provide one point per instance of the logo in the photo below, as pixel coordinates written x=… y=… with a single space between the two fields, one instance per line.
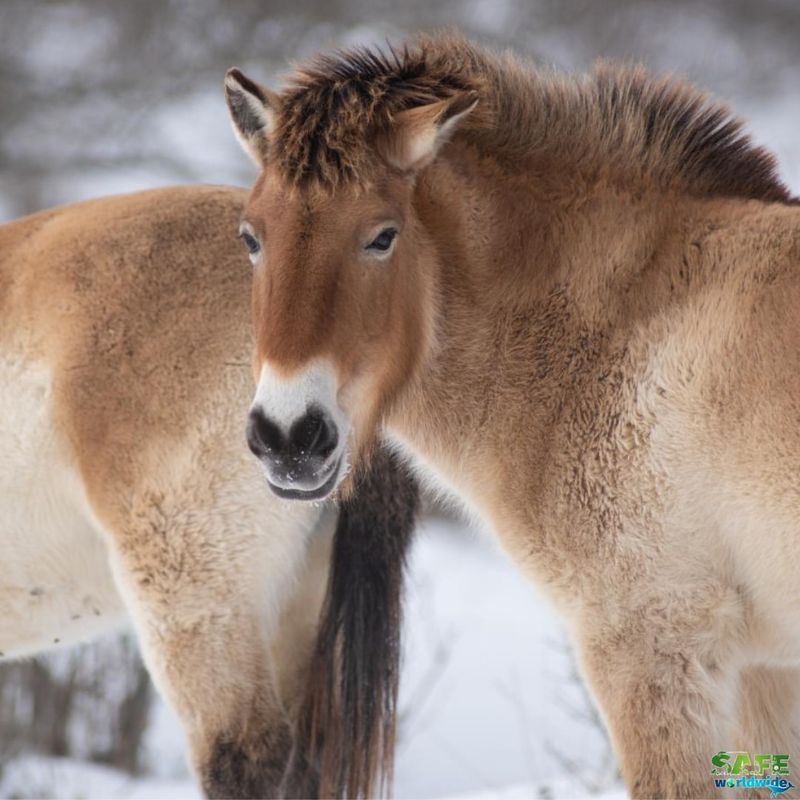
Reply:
x=738 y=770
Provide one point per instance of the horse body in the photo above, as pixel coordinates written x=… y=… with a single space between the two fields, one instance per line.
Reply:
x=112 y=475
x=654 y=377
x=654 y=495
x=585 y=324
x=127 y=489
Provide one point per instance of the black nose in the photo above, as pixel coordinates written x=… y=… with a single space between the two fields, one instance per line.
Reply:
x=263 y=436
x=312 y=435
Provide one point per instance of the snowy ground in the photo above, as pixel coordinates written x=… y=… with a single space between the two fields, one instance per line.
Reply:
x=486 y=658
x=66 y=779
x=62 y=779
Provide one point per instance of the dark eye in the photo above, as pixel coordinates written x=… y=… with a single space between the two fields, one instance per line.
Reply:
x=383 y=241
x=250 y=242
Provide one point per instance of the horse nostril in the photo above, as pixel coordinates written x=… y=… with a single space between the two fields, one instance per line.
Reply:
x=314 y=435
x=263 y=436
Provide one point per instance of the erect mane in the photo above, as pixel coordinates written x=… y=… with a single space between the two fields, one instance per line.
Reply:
x=615 y=120
x=334 y=105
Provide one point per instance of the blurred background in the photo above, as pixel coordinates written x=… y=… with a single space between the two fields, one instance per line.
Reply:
x=104 y=97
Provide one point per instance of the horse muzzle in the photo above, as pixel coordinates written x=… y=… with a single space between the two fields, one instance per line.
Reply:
x=303 y=463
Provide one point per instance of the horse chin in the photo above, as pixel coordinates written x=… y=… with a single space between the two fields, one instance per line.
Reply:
x=321 y=492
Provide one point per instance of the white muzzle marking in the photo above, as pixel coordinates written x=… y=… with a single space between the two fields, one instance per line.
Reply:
x=285 y=401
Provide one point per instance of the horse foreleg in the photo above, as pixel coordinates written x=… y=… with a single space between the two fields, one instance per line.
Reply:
x=207 y=623
x=666 y=687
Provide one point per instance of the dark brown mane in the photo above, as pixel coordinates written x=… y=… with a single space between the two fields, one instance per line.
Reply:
x=335 y=104
x=618 y=119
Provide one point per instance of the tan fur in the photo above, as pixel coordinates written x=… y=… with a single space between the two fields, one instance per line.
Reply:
x=127 y=318
x=589 y=331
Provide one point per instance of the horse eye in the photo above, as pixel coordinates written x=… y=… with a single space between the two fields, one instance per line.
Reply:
x=250 y=242
x=383 y=241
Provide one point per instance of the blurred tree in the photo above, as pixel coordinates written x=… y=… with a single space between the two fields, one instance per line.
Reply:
x=91 y=702
x=88 y=89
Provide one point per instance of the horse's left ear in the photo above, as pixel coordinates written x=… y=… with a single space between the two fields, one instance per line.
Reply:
x=417 y=134
x=252 y=109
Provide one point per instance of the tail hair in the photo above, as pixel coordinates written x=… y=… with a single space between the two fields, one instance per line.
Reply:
x=346 y=731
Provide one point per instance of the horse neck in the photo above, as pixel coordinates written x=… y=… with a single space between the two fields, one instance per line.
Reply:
x=529 y=279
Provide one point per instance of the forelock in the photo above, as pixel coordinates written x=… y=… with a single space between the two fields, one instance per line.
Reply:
x=334 y=106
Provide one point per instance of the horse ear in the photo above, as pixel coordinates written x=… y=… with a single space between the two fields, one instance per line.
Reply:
x=417 y=134
x=252 y=109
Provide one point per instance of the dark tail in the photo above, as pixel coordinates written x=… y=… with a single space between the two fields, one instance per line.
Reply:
x=346 y=733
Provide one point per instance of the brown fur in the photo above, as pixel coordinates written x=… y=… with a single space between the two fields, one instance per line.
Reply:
x=135 y=310
x=587 y=329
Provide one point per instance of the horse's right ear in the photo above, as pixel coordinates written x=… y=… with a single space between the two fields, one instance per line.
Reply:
x=252 y=109
x=416 y=134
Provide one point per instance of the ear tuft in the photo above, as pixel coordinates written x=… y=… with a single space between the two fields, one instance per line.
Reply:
x=418 y=133
x=252 y=111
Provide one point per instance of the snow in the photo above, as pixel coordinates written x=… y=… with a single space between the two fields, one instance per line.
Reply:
x=67 y=779
x=558 y=789
x=504 y=709
x=33 y=777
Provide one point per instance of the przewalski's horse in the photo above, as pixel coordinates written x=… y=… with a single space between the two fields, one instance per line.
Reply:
x=575 y=302
x=126 y=486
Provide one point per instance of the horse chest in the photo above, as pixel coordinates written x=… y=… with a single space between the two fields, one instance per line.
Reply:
x=55 y=584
